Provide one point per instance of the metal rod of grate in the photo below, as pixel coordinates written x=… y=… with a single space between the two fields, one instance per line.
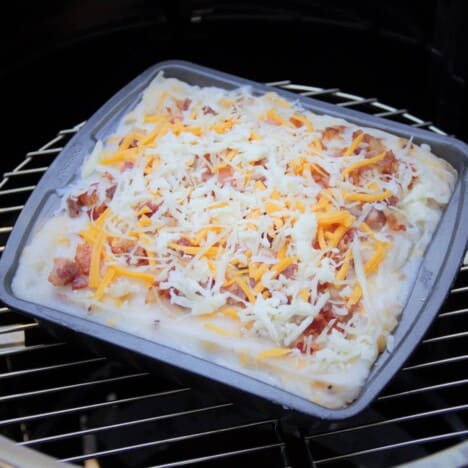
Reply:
x=34 y=164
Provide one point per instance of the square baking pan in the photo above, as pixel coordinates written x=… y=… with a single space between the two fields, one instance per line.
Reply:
x=433 y=281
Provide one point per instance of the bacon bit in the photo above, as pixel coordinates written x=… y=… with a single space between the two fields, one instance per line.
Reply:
x=88 y=199
x=302 y=346
x=414 y=179
x=348 y=238
x=224 y=175
x=83 y=257
x=376 y=219
x=63 y=272
x=296 y=122
x=183 y=105
x=79 y=282
x=394 y=223
x=108 y=176
x=164 y=293
x=320 y=322
x=235 y=290
x=208 y=110
x=321 y=179
x=127 y=165
x=389 y=164
x=73 y=208
x=392 y=201
x=290 y=271
x=206 y=174
x=121 y=246
x=97 y=211
x=149 y=208
x=375 y=145
x=110 y=191
x=314 y=329
x=175 y=115
x=331 y=133
x=139 y=252
x=184 y=241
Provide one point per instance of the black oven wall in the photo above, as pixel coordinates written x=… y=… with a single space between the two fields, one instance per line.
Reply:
x=62 y=60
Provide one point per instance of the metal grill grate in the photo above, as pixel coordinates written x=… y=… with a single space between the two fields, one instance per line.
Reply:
x=78 y=407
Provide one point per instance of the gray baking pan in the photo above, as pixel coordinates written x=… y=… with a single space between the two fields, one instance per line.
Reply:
x=432 y=284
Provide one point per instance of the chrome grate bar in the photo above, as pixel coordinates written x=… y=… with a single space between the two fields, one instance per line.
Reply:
x=44 y=152
x=381 y=448
x=446 y=337
x=454 y=383
x=75 y=409
x=28 y=188
x=34 y=348
x=17 y=328
x=79 y=385
x=320 y=92
x=123 y=424
x=425 y=414
x=391 y=113
x=22 y=172
x=191 y=461
x=439 y=362
x=36 y=370
x=165 y=441
x=357 y=102
x=452 y=313
x=11 y=209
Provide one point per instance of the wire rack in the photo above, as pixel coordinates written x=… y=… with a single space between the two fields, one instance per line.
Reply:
x=80 y=407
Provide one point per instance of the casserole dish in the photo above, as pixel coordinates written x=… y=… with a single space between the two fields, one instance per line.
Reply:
x=435 y=272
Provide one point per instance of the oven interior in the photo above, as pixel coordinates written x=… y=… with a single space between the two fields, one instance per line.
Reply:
x=61 y=61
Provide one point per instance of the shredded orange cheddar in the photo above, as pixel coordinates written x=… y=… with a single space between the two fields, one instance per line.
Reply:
x=95 y=265
x=366 y=162
x=139 y=275
x=373 y=263
x=356 y=295
x=343 y=271
x=220 y=331
x=273 y=353
x=335 y=217
x=121 y=156
x=356 y=142
x=245 y=288
x=367 y=197
x=106 y=280
x=210 y=252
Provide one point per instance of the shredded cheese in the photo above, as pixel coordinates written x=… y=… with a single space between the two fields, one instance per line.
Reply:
x=366 y=162
x=367 y=197
x=95 y=265
x=106 y=280
x=273 y=353
x=220 y=331
x=353 y=146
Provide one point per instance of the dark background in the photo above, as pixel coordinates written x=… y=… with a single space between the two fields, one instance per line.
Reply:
x=60 y=60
